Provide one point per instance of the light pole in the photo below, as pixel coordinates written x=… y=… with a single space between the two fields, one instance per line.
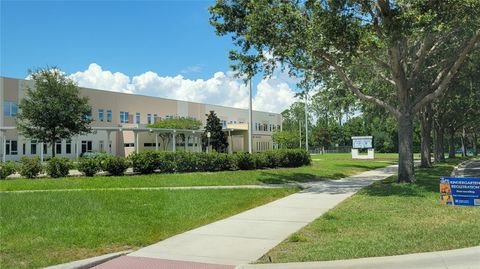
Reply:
x=250 y=116
x=306 y=120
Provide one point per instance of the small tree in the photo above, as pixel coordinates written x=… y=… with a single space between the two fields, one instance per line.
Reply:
x=187 y=123
x=218 y=139
x=53 y=110
x=286 y=139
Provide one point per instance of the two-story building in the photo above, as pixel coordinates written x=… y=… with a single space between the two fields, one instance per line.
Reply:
x=120 y=125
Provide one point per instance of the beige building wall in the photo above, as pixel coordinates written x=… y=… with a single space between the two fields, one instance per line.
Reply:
x=120 y=142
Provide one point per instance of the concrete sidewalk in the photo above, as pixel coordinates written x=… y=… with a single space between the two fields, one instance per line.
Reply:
x=467 y=258
x=245 y=237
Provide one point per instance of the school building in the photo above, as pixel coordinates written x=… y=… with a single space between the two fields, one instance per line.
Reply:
x=120 y=125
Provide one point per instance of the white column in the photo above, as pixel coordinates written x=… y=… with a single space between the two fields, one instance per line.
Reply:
x=108 y=142
x=156 y=142
x=135 y=135
x=230 y=150
x=77 y=147
x=4 y=146
x=174 y=146
x=187 y=138
x=41 y=152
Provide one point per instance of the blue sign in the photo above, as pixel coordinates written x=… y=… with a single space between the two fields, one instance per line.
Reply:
x=460 y=191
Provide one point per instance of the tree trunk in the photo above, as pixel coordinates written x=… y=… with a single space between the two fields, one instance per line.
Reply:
x=474 y=143
x=463 y=140
x=426 y=136
x=451 y=142
x=439 y=154
x=406 y=171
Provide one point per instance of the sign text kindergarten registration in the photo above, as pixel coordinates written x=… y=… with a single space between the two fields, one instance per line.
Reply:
x=460 y=191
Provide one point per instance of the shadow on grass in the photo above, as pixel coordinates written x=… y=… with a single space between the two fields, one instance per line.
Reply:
x=427 y=182
x=280 y=178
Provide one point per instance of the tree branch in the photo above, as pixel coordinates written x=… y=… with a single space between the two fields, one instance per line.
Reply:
x=445 y=76
x=344 y=77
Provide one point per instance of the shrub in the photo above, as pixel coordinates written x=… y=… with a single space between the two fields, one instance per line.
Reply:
x=260 y=160
x=30 y=167
x=186 y=161
x=145 y=162
x=115 y=165
x=7 y=169
x=88 y=166
x=244 y=161
x=58 y=167
x=166 y=162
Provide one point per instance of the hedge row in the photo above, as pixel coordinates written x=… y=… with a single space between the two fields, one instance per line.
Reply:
x=147 y=162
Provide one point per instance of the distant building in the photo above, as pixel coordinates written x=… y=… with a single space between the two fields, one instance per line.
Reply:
x=120 y=125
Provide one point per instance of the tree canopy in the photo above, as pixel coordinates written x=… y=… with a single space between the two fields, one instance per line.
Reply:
x=53 y=109
x=399 y=55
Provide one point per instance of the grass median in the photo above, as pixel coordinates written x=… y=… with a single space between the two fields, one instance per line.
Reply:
x=328 y=166
x=40 y=229
x=385 y=219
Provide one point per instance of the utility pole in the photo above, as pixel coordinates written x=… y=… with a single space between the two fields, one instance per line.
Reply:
x=306 y=120
x=250 y=116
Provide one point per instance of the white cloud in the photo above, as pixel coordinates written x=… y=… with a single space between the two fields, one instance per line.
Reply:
x=273 y=94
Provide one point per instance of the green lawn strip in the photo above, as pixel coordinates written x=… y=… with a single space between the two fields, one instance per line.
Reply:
x=40 y=229
x=385 y=219
x=319 y=170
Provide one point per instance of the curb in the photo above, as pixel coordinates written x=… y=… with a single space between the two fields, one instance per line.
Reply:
x=89 y=262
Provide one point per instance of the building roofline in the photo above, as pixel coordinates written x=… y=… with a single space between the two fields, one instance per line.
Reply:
x=156 y=97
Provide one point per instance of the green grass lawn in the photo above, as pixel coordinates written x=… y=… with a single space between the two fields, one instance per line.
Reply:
x=40 y=229
x=385 y=219
x=328 y=166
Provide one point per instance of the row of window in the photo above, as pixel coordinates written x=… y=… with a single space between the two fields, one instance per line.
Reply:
x=126 y=117
x=12 y=147
x=266 y=127
x=10 y=109
x=86 y=146
x=262 y=146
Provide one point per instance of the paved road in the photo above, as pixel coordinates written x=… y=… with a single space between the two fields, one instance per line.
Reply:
x=245 y=237
x=470 y=169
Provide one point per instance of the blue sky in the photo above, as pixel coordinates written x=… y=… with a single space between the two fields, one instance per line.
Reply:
x=168 y=38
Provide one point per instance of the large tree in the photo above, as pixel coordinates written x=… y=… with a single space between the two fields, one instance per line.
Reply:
x=53 y=109
x=379 y=49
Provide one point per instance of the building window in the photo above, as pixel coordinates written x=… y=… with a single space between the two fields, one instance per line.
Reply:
x=58 y=147
x=224 y=123
x=101 y=146
x=33 y=147
x=155 y=118
x=137 y=118
x=129 y=145
x=146 y=145
x=100 y=115
x=44 y=148
x=123 y=117
x=88 y=116
x=109 y=116
x=10 y=109
x=11 y=147
x=149 y=118
x=86 y=146
x=68 y=147
x=24 y=149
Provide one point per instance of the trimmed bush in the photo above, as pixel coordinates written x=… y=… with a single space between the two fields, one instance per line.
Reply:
x=244 y=161
x=166 y=162
x=114 y=165
x=89 y=166
x=145 y=162
x=7 y=169
x=30 y=167
x=58 y=167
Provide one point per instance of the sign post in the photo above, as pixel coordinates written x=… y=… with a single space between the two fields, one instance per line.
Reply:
x=362 y=142
x=463 y=191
